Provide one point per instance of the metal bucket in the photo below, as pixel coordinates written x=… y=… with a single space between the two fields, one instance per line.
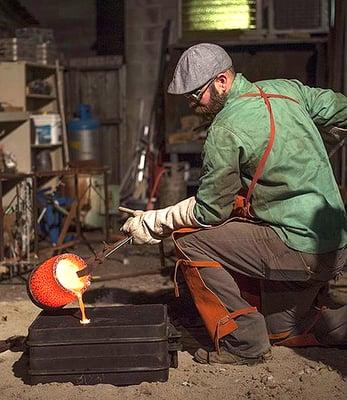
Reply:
x=84 y=145
x=84 y=136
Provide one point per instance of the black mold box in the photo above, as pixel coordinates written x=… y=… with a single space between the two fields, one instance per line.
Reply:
x=122 y=345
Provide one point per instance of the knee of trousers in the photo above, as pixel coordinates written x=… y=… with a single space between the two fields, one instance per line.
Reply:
x=184 y=243
x=183 y=240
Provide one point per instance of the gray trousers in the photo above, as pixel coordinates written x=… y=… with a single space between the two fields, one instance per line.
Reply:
x=290 y=283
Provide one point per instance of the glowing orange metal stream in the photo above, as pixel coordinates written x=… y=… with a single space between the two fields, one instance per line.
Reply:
x=84 y=319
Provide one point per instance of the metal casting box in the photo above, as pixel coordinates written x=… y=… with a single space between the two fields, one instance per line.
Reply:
x=122 y=345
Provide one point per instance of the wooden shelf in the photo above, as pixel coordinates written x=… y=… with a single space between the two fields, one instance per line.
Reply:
x=41 y=96
x=54 y=173
x=6 y=176
x=31 y=64
x=37 y=65
x=8 y=180
x=13 y=116
x=46 y=146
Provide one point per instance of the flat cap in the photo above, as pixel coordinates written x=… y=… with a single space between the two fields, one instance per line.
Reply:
x=197 y=65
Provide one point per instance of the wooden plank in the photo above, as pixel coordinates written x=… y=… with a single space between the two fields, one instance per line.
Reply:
x=66 y=224
x=102 y=86
x=123 y=160
x=13 y=116
x=91 y=68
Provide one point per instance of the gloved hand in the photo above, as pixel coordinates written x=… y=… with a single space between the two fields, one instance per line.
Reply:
x=150 y=227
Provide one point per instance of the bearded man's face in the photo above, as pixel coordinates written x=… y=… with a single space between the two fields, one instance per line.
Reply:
x=216 y=103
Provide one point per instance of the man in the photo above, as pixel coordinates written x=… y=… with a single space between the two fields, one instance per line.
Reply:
x=290 y=230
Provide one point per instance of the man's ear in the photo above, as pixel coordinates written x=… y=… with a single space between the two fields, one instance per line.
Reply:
x=221 y=82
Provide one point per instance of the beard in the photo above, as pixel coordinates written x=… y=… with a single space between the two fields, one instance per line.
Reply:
x=215 y=105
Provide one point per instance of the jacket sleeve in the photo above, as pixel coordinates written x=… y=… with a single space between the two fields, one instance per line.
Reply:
x=325 y=107
x=220 y=177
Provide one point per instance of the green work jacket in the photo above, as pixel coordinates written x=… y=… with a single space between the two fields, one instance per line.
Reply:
x=297 y=194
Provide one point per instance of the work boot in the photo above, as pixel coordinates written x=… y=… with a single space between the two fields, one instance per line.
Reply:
x=334 y=294
x=328 y=327
x=225 y=357
x=331 y=328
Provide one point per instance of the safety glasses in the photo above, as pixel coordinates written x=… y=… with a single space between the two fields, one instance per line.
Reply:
x=198 y=93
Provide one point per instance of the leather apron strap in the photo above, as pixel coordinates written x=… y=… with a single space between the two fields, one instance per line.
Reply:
x=243 y=205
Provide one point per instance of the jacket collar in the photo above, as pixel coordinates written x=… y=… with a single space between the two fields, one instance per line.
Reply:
x=240 y=85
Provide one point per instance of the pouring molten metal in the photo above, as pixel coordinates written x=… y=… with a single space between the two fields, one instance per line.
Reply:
x=61 y=279
x=55 y=283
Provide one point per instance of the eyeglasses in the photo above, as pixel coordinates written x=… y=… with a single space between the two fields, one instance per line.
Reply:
x=198 y=93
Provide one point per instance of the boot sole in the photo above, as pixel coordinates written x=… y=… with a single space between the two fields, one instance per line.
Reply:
x=242 y=361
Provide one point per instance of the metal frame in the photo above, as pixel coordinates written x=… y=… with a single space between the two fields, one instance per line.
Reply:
x=17 y=267
x=324 y=15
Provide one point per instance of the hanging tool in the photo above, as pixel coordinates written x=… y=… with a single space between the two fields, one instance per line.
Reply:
x=100 y=256
x=61 y=106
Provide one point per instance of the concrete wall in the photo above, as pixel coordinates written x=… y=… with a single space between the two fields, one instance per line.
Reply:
x=144 y=21
x=73 y=22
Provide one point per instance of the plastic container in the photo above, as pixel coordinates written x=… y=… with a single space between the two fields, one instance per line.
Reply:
x=48 y=128
x=122 y=345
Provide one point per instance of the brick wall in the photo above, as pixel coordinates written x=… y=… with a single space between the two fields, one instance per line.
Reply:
x=144 y=21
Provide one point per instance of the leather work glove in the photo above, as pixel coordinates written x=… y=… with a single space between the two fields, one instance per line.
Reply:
x=150 y=227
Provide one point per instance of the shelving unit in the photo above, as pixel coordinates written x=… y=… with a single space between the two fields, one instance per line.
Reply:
x=14 y=138
x=16 y=79
x=17 y=136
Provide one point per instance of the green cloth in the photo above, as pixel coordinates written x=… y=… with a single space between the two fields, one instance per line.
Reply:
x=297 y=193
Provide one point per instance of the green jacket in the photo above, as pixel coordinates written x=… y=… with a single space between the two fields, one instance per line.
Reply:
x=297 y=194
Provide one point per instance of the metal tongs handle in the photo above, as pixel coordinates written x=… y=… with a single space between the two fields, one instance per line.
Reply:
x=100 y=257
x=118 y=245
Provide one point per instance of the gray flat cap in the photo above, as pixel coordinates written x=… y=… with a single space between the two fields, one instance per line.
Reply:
x=198 y=65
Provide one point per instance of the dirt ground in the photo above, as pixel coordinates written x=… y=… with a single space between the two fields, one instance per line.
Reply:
x=134 y=276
